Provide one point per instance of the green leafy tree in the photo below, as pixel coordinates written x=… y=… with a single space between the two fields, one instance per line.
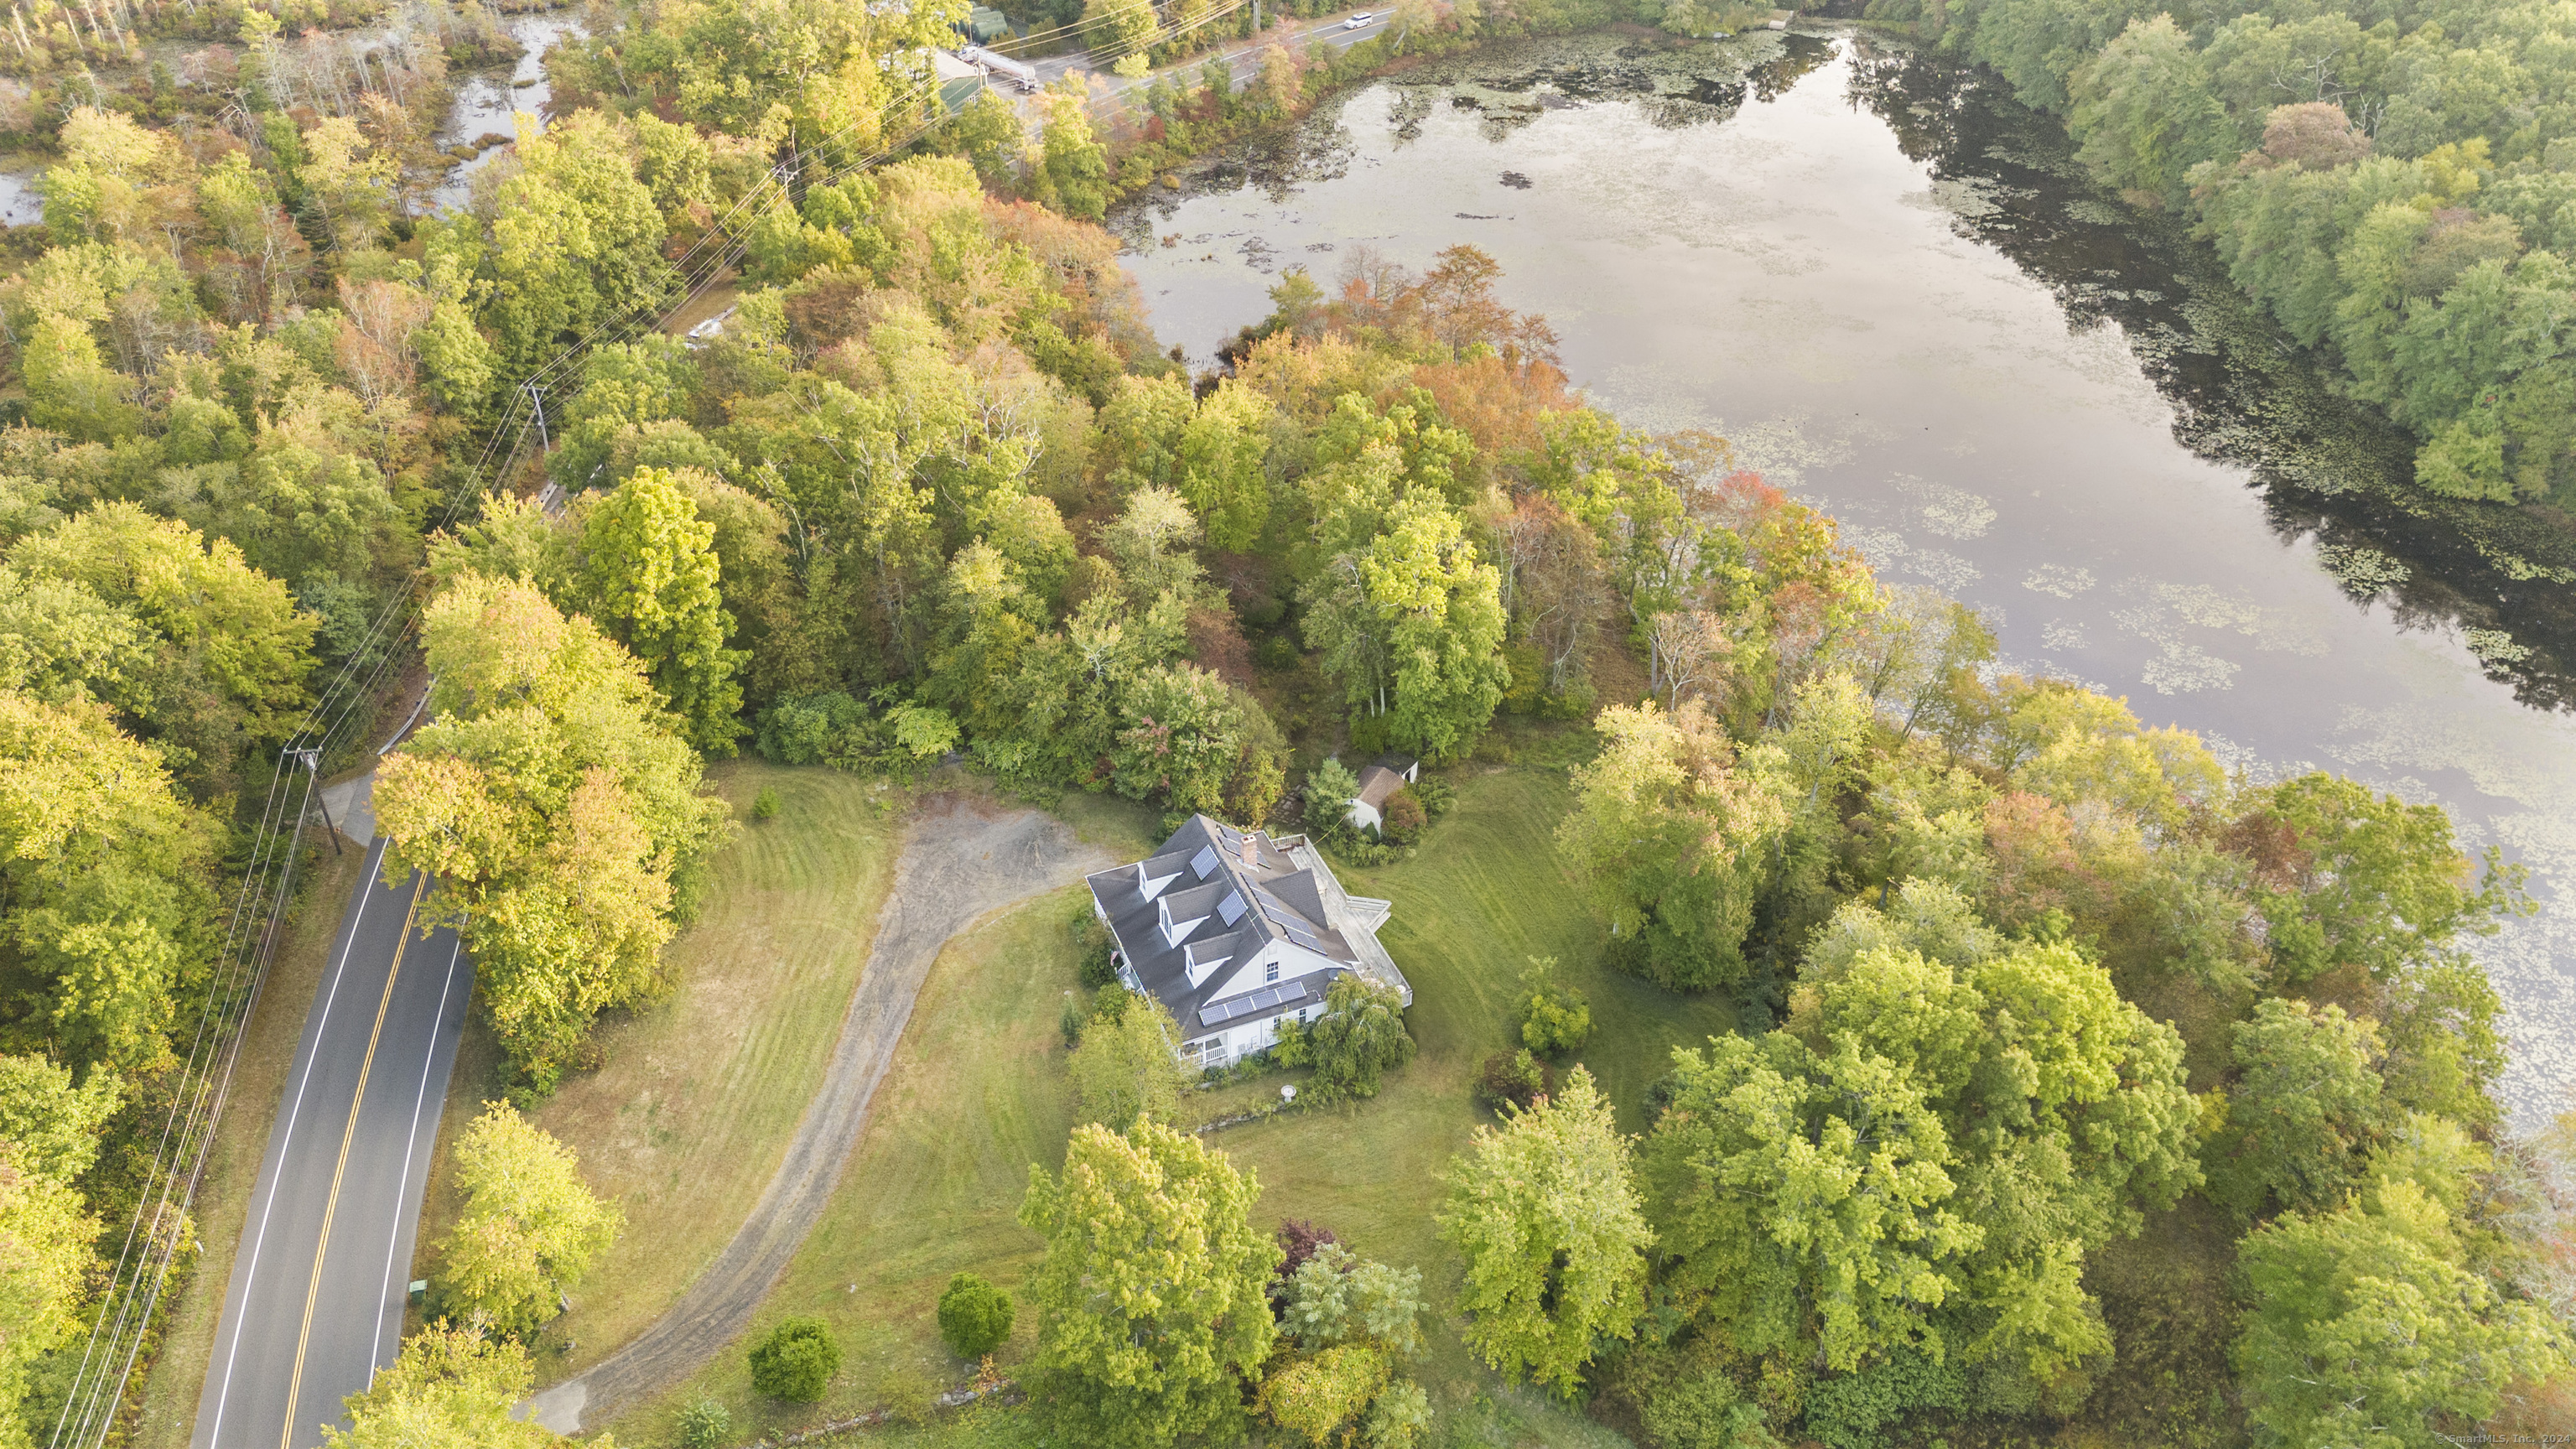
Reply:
x=1555 y=1017
x=347 y=191
x=1221 y=453
x=1117 y=27
x=575 y=239
x=2144 y=110
x=226 y=630
x=556 y=810
x=2368 y=1327
x=974 y=1316
x=2368 y=880
x=1072 y=174
x=112 y=179
x=451 y=1388
x=1410 y=619
x=71 y=388
x=1359 y=1037
x=1921 y=1156
x=1855 y=1160
x=46 y=1232
x=1125 y=1069
x=1547 y=1216
x=52 y=1128
x=818 y=78
x=109 y=876
x=514 y=539
x=796 y=1361
x=49 y=1135
x=529 y=1229
x=1673 y=842
x=2307 y=1107
x=624 y=385
x=1141 y=429
x=1153 y=1304
x=650 y=572
x=1329 y=793
x=1151 y=541
x=1188 y=738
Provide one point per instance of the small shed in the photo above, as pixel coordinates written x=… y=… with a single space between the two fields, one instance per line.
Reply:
x=984 y=25
x=1383 y=777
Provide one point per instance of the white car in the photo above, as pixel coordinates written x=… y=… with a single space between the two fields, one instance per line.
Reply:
x=1361 y=21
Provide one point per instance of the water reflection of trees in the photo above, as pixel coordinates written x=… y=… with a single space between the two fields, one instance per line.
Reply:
x=2242 y=392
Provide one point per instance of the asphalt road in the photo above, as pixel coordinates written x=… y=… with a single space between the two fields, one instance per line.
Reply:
x=316 y=1301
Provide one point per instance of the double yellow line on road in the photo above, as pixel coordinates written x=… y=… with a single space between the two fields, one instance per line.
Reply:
x=349 y=1134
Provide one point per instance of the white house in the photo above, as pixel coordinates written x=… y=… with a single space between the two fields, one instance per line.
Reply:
x=1388 y=774
x=1235 y=932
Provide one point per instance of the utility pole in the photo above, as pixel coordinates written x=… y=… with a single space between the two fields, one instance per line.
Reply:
x=312 y=762
x=537 y=400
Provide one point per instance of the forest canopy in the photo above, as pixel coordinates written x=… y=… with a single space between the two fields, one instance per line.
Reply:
x=2027 y=988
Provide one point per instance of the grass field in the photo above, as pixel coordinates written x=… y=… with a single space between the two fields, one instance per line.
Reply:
x=685 y=1121
x=241 y=1140
x=978 y=1093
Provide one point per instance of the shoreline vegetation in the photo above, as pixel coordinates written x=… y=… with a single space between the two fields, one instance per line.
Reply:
x=1999 y=998
x=2386 y=178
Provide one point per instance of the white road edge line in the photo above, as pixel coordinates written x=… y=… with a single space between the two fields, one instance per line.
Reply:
x=214 y=1432
x=402 y=1193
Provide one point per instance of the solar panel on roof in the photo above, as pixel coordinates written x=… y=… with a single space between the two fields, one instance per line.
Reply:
x=1231 y=908
x=1217 y=1013
x=1204 y=861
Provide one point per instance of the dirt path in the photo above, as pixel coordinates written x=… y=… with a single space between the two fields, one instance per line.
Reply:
x=959 y=862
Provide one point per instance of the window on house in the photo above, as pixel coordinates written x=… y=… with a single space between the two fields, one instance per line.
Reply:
x=1269 y=973
x=1301 y=1016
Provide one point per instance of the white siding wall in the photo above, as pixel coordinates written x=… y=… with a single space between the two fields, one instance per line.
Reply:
x=1294 y=961
x=1243 y=1040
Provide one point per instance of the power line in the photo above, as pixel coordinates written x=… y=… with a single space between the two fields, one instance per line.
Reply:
x=153 y=1238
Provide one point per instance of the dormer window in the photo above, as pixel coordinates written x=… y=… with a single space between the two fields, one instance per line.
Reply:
x=1175 y=932
x=1148 y=885
x=1202 y=957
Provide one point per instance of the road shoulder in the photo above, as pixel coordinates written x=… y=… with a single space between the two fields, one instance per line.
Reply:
x=178 y=1377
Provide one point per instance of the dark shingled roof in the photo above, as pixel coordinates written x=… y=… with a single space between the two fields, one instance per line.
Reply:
x=1271 y=899
x=1383 y=777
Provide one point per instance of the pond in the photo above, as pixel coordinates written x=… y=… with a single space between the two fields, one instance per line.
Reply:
x=487 y=101
x=1896 y=294
x=483 y=102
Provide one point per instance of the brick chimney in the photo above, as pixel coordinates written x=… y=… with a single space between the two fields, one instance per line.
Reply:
x=1251 y=853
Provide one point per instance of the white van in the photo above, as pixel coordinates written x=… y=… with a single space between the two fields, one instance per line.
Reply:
x=1360 y=21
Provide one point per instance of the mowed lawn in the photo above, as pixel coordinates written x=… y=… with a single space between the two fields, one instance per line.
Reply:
x=686 y=1119
x=1483 y=893
x=978 y=1092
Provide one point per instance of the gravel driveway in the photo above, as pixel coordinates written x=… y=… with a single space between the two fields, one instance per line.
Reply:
x=960 y=861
